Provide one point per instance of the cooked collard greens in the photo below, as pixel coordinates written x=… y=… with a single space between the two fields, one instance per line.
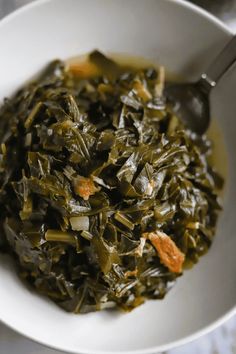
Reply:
x=105 y=196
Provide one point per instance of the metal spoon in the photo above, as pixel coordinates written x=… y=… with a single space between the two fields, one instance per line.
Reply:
x=190 y=101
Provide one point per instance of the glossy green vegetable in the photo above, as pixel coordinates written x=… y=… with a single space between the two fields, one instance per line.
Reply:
x=99 y=183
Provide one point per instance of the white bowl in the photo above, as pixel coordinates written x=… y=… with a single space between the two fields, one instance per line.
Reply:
x=185 y=39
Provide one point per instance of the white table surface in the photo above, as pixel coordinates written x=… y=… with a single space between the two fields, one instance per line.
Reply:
x=221 y=340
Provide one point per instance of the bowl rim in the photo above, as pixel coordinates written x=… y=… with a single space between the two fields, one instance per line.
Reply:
x=189 y=338
x=183 y=3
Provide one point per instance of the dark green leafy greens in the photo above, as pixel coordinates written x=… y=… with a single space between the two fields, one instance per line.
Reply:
x=101 y=186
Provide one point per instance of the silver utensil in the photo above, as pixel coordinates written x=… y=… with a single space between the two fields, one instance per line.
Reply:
x=190 y=101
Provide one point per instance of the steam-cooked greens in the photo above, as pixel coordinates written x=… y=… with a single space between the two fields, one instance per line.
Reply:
x=105 y=196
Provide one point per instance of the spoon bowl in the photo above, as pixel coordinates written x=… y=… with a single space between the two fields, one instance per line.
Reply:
x=191 y=104
x=191 y=101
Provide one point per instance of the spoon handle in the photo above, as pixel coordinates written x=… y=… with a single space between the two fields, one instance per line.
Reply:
x=221 y=64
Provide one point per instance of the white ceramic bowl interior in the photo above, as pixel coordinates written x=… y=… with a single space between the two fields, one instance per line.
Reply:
x=185 y=39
